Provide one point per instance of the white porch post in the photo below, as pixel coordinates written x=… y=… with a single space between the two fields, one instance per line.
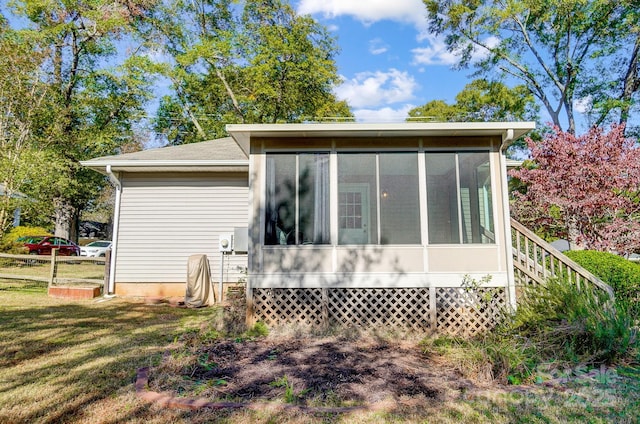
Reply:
x=506 y=218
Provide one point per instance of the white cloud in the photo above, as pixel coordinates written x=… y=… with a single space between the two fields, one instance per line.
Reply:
x=385 y=114
x=369 y=89
x=437 y=54
x=370 y=11
x=583 y=105
x=377 y=46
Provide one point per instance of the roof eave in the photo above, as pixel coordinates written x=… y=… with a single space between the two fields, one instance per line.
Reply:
x=509 y=131
x=168 y=165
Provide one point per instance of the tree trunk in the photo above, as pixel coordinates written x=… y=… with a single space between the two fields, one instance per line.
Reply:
x=631 y=82
x=3 y=222
x=5 y=210
x=66 y=220
x=573 y=233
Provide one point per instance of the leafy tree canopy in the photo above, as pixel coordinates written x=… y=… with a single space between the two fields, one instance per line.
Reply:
x=586 y=185
x=257 y=62
x=482 y=101
x=90 y=95
x=26 y=103
x=562 y=51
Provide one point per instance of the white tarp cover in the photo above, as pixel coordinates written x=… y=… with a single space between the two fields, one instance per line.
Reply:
x=199 y=289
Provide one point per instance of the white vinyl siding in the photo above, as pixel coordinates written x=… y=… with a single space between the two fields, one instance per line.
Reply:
x=166 y=218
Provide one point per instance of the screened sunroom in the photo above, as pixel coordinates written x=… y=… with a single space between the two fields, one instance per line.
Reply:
x=377 y=223
x=378 y=200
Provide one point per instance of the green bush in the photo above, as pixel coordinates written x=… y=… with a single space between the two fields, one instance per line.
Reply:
x=621 y=274
x=556 y=325
x=21 y=231
x=485 y=358
x=8 y=243
x=572 y=325
x=259 y=329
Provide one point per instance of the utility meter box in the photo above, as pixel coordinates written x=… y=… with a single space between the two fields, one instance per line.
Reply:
x=241 y=239
x=225 y=243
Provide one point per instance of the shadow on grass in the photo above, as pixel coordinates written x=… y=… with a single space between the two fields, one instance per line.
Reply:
x=59 y=359
x=63 y=361
x=76 y=361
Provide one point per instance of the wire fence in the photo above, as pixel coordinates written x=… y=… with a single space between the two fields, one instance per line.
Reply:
x=53 y=269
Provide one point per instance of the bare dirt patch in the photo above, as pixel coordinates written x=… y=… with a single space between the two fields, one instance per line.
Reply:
x=328 y=371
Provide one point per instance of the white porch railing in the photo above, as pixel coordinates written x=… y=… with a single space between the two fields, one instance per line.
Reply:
x=535 y=260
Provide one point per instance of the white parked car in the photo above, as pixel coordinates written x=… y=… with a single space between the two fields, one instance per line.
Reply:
x=96 y=248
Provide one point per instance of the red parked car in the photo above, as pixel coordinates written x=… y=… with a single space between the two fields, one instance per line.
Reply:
x=42 y=245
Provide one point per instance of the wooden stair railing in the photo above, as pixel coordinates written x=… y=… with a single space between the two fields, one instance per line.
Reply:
x=535 y=260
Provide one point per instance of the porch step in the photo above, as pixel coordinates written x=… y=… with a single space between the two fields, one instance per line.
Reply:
x=72 y=292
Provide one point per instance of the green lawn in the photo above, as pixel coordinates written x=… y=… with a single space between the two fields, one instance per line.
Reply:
x=63 y=361
x=76 y=362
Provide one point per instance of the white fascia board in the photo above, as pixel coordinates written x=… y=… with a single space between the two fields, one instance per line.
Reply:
x=163 y=164
x=513 y=163
x=509 y=131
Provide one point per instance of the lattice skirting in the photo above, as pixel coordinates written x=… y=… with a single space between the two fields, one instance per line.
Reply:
x=465 y=313
x=453 y=311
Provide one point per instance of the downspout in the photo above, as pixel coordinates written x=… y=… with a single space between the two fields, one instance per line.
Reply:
x=511 y=283
x=116 y=224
